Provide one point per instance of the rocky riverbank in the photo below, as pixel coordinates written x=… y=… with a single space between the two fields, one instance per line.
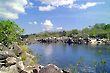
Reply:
x=16 y=60
x=68 y=40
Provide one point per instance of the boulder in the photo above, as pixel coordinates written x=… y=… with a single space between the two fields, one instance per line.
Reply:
x=37 y=68
x=50 y=68
x=10 y=69
x=5 y=54
x=13 y=69
x=20 y=65
x=3 y=48
x=16 y=49
x=11 y=61
x=65 y=71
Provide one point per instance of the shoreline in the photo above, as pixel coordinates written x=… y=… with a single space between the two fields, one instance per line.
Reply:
x=19 y=60
x=68 y=40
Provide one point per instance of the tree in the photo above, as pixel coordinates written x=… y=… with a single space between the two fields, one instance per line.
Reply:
x=72 y=33
x=9 y=32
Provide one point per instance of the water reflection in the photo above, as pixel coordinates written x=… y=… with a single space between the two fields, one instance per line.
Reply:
x=48 y=50
x=63 y=54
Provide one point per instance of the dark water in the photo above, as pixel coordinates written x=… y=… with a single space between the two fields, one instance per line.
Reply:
x=63 y=55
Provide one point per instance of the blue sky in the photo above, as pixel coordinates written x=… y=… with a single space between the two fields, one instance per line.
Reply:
x=51 y=15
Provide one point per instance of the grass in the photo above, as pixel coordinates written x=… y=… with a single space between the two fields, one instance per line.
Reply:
x=24 y=48
x=24 y=57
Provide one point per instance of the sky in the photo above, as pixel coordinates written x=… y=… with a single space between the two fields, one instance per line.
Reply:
x=36 y=16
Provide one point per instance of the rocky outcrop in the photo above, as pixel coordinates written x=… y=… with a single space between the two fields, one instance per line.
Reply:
x=70 y=40
x=50 y=68
x=11 y=62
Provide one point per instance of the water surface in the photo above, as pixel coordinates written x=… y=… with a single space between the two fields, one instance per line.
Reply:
x=63 y=54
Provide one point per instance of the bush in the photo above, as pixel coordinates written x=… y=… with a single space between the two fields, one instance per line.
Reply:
x=9 y=32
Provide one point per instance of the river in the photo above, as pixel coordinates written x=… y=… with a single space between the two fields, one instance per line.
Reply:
x=64 y=55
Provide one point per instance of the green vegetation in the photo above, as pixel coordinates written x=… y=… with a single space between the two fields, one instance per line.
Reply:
x=24 y=56
x=97 y=31
x=24 y=48
x=98 y=66
x=9 y=32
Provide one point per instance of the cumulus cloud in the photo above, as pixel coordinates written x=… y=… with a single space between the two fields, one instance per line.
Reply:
x=12 y=8
x=48 y=25
x=30 y=5
x=34 y=22
x=66 y=3
x=46 y=8
x=87 y=5
x=59 y=28
x=58 y=2
x=52 y=4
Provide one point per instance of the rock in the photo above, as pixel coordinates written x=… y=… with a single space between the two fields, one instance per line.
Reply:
x=29 y=55
x=5 y=54
x=20 y=65
x=37 y=69
x=11 y=61
x=16 y=49
x=65 y=71
x=13 y=69
x=29 y=59
x=10 y=69
x=23 y=71
x=50 y=68
x=3 y=48
x=41 y=66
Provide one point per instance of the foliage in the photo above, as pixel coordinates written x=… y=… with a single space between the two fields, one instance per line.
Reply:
x=72 y=33
x=24 y=48
x=9 y=32
x=97 y=31
x=23 y=57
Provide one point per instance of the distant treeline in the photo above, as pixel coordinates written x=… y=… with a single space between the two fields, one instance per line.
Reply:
x=101 y=30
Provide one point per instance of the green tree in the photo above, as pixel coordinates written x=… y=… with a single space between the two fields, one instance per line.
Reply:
x=72 y=33
x=9 y=32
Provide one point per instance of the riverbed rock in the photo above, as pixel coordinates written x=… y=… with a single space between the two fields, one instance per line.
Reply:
x=16 y=49
x=37 y=68
x=20 y=65
x=65 y=71
x=11 y=61
x=50 y=68
x=10 y=69
x=3 y=48
x=5 y=54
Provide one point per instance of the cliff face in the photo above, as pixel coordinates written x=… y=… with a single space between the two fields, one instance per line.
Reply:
x=18 y=59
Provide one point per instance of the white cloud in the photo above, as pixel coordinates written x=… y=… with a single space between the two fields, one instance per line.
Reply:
x=58 y=2
x=52 y=4
x=88 y=5
x=59 y=28
x=12 y=8
x=48 y=25
x=30 y=5
x=46 y=8
x=33 y=23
